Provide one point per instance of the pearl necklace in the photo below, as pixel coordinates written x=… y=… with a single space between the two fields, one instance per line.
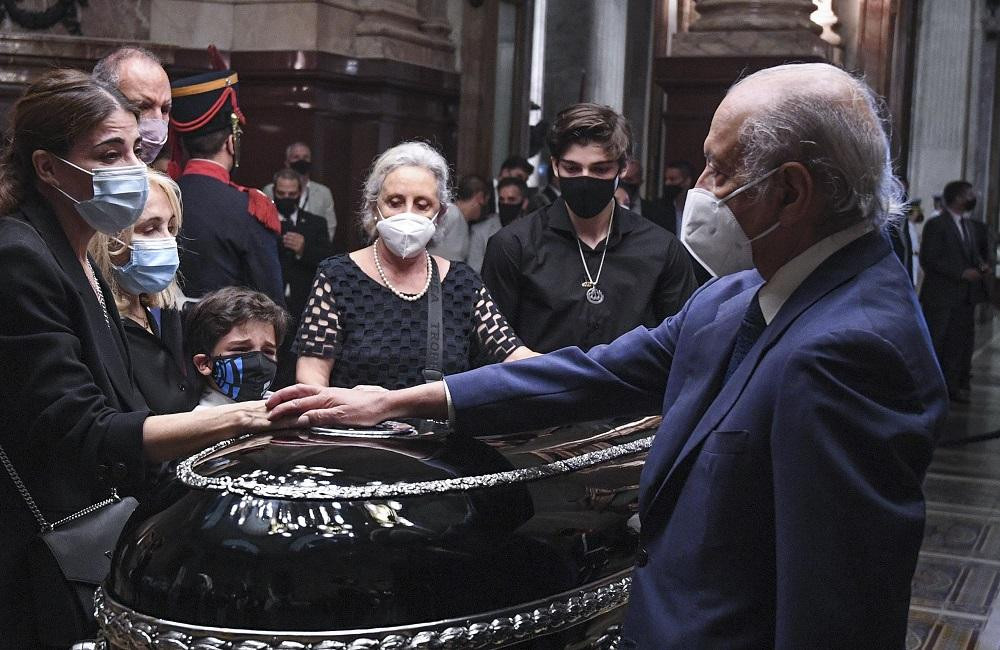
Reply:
x=409 y=297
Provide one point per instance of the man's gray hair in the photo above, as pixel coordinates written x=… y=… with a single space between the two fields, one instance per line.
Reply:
x=407 y=154
x=290 y=175
x=299 y=143
x=108 y=69
x=842 y=142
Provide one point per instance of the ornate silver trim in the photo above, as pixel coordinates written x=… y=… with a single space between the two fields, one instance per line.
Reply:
x=125 y=628
x=262 y=484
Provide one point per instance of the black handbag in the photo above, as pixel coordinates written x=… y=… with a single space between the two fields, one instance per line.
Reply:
x=67 y=560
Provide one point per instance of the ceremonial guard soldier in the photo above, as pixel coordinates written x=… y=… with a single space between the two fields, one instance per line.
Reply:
x=231 y=233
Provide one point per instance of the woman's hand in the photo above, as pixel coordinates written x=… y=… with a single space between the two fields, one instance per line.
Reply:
x=249 y=417
x=165 y=437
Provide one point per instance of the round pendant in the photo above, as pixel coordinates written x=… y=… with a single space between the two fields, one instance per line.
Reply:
x=595 y=296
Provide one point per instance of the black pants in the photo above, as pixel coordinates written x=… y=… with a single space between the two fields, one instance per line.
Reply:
x=953 y=335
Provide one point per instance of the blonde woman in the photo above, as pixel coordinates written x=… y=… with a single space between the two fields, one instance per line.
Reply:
x=141 y=264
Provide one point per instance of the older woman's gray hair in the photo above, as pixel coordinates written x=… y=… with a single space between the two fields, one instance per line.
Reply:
x=842 y=142
x=407 y=154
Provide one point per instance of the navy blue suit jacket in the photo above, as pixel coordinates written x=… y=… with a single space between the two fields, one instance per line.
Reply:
x=783 y=509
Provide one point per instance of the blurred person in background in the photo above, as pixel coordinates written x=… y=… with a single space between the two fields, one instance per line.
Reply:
x=316 y=198
x=513 y=194
x=304 y=244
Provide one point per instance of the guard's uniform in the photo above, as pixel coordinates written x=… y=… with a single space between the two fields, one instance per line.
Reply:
x=230 y=234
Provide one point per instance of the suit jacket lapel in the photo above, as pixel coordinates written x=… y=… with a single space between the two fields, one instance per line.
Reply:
x=110 y=342
x=837 y=269
x=718 y=335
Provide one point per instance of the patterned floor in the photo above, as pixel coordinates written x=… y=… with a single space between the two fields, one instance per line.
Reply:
x=955 y=604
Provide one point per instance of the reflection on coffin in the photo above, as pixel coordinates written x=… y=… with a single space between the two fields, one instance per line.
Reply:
x=406 y=539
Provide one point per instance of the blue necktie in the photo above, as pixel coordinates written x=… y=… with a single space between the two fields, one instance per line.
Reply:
x=750 y=330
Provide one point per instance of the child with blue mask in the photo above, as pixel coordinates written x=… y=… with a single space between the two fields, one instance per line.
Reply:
x=233 y=335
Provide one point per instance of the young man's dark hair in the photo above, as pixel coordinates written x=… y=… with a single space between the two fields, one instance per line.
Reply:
x=591 y=123
x=220 y=311
x=513 y=181
x=469 y=186
x=518 y=162
x=953 y=189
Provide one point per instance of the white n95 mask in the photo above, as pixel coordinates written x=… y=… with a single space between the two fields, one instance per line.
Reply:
x=710 y=231
x=405 y=234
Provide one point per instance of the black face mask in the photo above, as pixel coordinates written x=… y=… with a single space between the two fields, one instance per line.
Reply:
x=301 y=166
x=671 y=192
x=287 y=207
x=508 y=212
x=631 y=188
x=586 y=196
x=970 y=204
x=244 y=377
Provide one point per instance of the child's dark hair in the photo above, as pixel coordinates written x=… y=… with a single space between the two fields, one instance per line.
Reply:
x=218 y=312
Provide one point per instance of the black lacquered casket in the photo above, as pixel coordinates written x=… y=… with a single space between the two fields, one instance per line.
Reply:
x=403 y=538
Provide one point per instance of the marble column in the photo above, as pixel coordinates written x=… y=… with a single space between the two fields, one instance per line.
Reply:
x=942 y=98
x=752 y=28
x=606 y=72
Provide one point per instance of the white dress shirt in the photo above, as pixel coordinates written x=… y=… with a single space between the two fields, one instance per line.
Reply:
x=787 y=279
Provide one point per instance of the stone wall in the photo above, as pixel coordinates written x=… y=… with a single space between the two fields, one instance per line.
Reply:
x=349 y=77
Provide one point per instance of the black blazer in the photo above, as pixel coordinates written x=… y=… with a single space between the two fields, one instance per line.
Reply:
x=663 y=213
x=300 y=272
x=164 y=373
x=70 y=416
x=944 y=256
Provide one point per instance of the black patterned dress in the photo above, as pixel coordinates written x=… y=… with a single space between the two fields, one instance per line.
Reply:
x=377 y=338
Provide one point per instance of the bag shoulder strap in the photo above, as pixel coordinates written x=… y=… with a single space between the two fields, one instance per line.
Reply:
x=435 y=337
x=23 y=491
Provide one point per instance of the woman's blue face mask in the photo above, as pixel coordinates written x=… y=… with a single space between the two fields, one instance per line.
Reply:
x=151 y=266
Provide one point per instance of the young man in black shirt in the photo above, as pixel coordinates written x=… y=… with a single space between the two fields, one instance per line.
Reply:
x=582 y=270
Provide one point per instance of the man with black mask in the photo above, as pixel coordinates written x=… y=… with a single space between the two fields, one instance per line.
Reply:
x=955 y=257
x=512 y=193
x=316 y=197
x=666 y=211
x=304 y=244
x=631 y=182
x=678 y=178
x=582 y=270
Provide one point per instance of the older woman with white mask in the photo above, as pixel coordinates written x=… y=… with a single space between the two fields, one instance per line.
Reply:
x=141 y=265
x=371 y=319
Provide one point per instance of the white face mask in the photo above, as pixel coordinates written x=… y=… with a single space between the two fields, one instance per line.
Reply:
x=119 y=197
x=712 y=234
x=405 y=234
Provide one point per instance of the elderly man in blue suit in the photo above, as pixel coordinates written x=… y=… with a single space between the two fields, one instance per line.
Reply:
x=781 y=502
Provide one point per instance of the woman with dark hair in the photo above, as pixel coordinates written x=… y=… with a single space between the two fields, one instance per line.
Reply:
x=72 y=423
